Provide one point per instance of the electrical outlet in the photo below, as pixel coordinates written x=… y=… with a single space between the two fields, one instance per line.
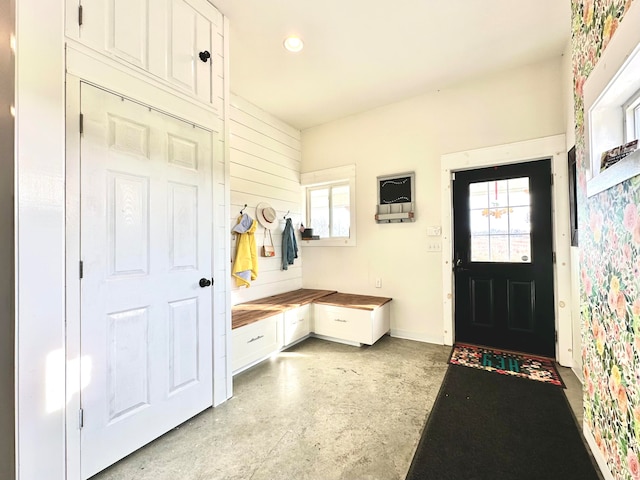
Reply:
x=378 y=283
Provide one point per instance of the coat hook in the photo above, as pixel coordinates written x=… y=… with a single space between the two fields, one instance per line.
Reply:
x=285 y=215
x=242 y=210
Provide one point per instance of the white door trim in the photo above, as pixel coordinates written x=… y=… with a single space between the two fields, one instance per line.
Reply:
x=552 y=147
x=72 y=261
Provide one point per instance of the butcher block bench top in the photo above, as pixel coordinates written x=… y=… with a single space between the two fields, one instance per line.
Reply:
x=350 y=300
x=250 y=312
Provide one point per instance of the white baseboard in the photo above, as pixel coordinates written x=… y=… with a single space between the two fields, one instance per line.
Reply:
x=418 y=337
x=578 y=373
x=597 y=454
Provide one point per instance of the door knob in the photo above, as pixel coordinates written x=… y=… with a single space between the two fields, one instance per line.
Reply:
x=205 y=282
x=458 y=267
x=204 y=56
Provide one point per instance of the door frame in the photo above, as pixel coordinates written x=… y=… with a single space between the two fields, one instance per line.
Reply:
x=80 y=70
x=552 y=147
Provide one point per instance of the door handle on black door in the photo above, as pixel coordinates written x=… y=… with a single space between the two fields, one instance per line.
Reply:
x=457 y=267
x=205 y=282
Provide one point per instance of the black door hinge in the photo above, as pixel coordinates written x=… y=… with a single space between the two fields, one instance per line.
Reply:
x=81 y=124
x=80 y=15
x=81 y=269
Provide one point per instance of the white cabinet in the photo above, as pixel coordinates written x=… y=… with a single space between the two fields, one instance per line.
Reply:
x=351 y=324
x=191 y=39
x=177 y=41
x=297 y=324
x=255 y=342
x=353 y=319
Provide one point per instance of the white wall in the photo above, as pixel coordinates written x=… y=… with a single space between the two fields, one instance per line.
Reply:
x=567 y=91
x=264 y=167
x=40 y=198
x=516 y=105
x=7 y=250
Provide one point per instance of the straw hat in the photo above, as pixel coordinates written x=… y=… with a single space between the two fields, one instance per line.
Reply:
x=266 y=215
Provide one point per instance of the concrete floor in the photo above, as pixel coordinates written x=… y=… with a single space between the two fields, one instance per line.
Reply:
x=320 y=410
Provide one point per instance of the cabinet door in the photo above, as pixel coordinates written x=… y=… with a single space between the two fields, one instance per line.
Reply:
x=254 y=342
x=119 y=27
x=191 y=33
x=344 y=323
x=296 y=324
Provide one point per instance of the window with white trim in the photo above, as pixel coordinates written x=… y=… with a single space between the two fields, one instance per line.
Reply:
x=329 y=199
x=632 y=118
x=328 y=210
x=612 y=110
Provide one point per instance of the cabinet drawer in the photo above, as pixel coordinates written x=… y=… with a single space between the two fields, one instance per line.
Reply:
x=344 y=323
x=254 y=342
x=296 y=324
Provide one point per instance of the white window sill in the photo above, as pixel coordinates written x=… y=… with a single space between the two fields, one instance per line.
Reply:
x=328 y=242
x=625 y=169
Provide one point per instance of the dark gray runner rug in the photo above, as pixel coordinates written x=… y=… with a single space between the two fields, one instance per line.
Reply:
x=486 y=426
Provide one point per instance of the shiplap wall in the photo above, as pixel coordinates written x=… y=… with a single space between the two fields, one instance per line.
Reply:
x=265 y=157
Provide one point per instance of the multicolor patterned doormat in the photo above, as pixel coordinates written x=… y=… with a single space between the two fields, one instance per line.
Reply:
x=507 y=363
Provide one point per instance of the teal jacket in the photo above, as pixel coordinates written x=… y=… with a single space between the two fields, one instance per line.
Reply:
x=289 y=245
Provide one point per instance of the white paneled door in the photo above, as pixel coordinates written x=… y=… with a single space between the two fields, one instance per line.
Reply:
x=146 y=306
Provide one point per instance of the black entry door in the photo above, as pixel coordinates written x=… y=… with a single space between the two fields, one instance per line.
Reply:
x=503 y=257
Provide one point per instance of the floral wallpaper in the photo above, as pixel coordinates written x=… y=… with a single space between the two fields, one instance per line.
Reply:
x=609 y=269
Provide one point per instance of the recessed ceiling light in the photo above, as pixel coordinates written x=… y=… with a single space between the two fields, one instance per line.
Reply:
x=293 y=44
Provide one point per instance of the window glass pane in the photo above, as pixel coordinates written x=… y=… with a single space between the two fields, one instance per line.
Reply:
x=519 y=192
x=500 y=224
x=319 y=211
x=499 y=246
x=479 y=195
x=519 y=221
x=520 y=246
x=498 y=196
x=341 y=213
x=480 y=248
x=498 y=221
x=637 y=121
x=479 y=222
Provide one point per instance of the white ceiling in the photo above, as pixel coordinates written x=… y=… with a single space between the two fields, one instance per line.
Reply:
x=361 y=54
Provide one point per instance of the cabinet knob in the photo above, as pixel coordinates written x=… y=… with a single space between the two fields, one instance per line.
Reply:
x=204 y=56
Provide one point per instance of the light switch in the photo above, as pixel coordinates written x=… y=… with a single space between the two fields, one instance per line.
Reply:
x=434 y=246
